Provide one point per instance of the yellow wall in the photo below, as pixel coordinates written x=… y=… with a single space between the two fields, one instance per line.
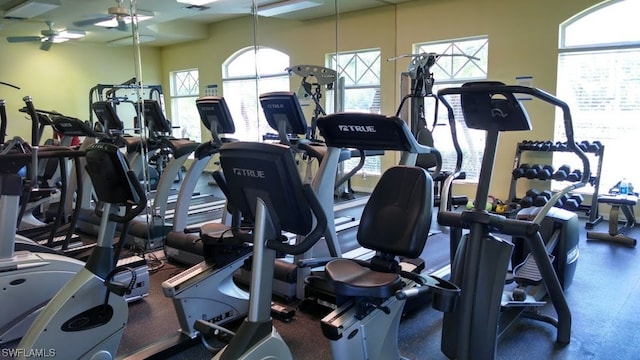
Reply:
x=523 y=38
x=60 y=79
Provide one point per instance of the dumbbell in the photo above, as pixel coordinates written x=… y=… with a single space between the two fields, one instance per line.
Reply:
x=546 y=172
x=546 y=145
x=562 y=173
x=529 y=198
x=520 y=171
x=583 y=145
x=595 y=147
x=575 y=175
x=573 y=203
x=560 y=146
x=533 y=171
x=543 y=198
x=562 y=201
x=526 y=145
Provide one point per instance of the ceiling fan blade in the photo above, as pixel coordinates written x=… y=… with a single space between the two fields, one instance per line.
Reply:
x=15 y=39
x=93 y=20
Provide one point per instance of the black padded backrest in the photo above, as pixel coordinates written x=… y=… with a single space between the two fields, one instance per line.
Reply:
x=397 y=217
x=108 y=168
x=214 y=111
x=426 y=161
x=266 y=171
x=366 y=131
x=284 y=106
x=154 y=117
x=107 y=116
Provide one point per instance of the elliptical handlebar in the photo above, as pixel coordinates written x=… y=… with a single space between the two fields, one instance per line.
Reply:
x=499 y=110
x=315 y=234
x=33 y=114
x=537 y=93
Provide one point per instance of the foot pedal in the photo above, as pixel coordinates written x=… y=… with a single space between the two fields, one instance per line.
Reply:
x=528 y=273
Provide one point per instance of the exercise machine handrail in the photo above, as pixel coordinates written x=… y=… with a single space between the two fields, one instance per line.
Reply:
x=499 y=89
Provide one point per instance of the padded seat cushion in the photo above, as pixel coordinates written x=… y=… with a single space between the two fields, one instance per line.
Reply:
x=182 y=147
x=350 y=279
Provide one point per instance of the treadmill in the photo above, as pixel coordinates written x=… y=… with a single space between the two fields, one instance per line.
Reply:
x=182 y=244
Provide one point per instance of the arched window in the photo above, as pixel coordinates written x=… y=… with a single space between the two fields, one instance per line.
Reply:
x=599 y=77
x=247 y=74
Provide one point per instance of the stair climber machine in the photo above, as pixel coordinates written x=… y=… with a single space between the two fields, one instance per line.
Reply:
x=264 y=182
x=544 y=247
x=28 y=279
x=87 y=317
x=182 y=244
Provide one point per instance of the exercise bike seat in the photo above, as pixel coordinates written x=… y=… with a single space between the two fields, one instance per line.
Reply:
x=395 y=222
x=351 y=279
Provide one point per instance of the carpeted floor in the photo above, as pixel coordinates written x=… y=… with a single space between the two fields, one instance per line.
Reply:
x=603 y=300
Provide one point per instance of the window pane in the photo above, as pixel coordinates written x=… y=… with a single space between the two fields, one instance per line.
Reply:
x=184 y=83
x=241 y=89
x=603 y=91
x=587 y=29
x=185 y=88
x=185 y=116
x=361 y=73
x=460 y=61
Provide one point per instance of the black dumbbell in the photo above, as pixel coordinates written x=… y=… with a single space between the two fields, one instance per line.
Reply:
x=595 y=147
x=529 y=198
x=562 y=201
x=575 y=175
x=520 y=171
x=543 y=198
x=533 y=171
x=574 y=202
x=562 y=173
x=546 y=146
x=560 y=146
x=525 y=145
x=583 y=145
x=546 y=172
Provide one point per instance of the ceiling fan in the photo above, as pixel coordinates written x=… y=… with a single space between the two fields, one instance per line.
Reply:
x=48 y=36
x=119 y=14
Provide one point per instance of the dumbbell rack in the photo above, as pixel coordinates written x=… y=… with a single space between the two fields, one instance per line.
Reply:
x=590 y=210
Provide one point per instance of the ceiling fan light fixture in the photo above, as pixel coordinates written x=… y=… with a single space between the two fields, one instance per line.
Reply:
x=286 y=6
x=32 y=8
x=55 y=40
x=72 y=34
x=113 y=23
x=196 y=2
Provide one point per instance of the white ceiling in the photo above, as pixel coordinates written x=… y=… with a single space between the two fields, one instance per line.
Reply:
x=172 y=23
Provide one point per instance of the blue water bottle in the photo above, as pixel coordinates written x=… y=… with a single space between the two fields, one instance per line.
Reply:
x=623 y=188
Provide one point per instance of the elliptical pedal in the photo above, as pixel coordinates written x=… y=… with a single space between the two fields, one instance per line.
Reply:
x=527 y=273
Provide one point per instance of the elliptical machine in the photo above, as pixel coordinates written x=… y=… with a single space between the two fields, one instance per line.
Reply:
x=485 y=310
x=28 y=279
x=90 y=311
